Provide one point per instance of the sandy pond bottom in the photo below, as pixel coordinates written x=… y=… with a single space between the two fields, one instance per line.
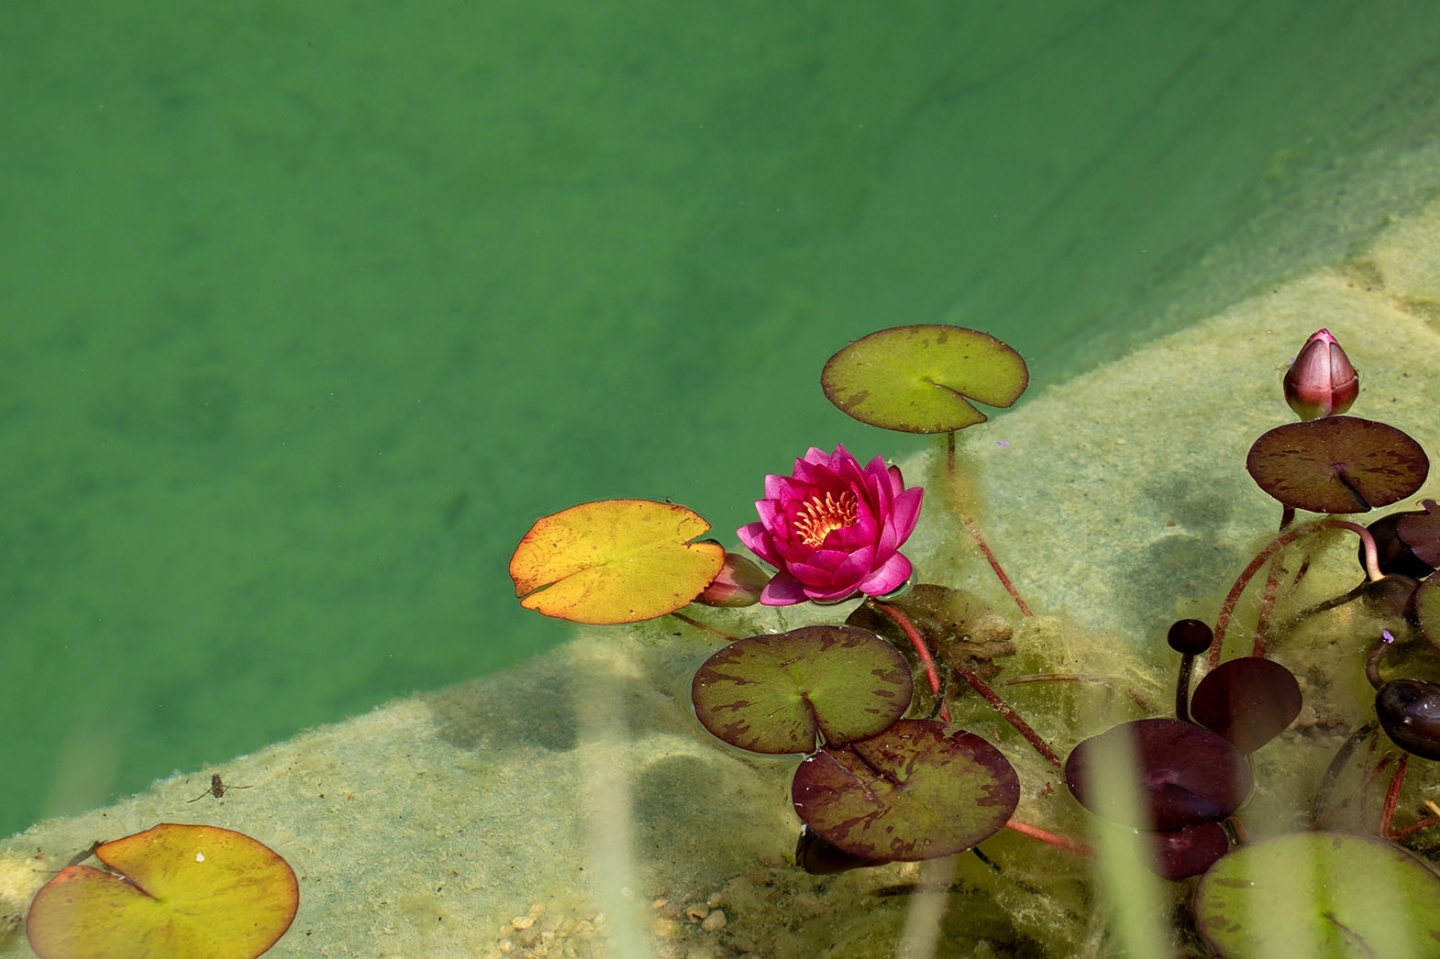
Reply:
x=574 y=807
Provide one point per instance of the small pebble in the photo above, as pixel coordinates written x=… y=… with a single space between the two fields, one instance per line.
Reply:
x=696 y=913
x=714 y=922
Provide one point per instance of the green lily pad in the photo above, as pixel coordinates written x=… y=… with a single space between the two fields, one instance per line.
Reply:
x=787 y=692
x=1427 y=609
x=1319 y=894
x=909 y=793
x=920 y=379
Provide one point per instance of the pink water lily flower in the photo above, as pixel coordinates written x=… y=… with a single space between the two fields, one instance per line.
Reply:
x=833 y=529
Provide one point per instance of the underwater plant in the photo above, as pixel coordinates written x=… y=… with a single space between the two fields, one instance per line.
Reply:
x=170 y=892
x=887 y=774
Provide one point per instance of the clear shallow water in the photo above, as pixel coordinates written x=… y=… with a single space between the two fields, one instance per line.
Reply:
x=309 y=309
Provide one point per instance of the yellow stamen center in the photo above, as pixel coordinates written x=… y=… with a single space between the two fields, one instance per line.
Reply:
x=820 y=517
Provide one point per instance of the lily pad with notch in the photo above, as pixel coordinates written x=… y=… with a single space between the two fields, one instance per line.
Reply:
x=177 y=891
x=910 y=793
x=1319 y=894
x=1421 y=532
x=921 y=379
x=614 y=561
x=1337 y=464
x=788 y=692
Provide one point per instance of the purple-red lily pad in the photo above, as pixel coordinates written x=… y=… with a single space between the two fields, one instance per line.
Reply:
x=1182 y=853
x=1249 y=701
x=1337 y=464
x=921 y=379
x=1394 y=554
x=910 y=793
x=1186 y=773
x=1421 y=532
x=1319 y=894
x=789 y=692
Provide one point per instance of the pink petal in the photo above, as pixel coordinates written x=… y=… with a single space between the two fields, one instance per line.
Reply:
x=897 y=482
x=830 y=596
x=907 y=511
x=758 y=540
x=770 y=514
x=783 y=590
x=887 y=578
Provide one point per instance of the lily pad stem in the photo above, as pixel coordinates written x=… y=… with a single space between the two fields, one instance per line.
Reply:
x=922 y=649
x=976 y=683
x=979 y=538
x=1053 y=839
x=1392 y=796
x=703 y=628
x=974 y=527
x=1227 y=609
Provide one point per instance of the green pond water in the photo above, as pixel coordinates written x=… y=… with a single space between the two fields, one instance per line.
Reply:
x=308 y=310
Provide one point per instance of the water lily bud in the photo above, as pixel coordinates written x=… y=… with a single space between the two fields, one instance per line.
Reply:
x=1321 y=381
x=738 y=583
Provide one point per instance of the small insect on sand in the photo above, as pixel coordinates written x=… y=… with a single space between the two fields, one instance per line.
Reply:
x=218 y=789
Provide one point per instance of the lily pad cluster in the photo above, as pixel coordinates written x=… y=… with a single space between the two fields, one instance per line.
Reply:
x=884 y=775
x=874 y=786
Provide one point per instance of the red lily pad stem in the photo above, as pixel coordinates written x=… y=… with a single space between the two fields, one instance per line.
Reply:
x=1267 y=606
x=1052 y=838
x=922 y=649
x=1227 y=609
x=979 y=538
x=1392 y=796
x=1415 y=827
x=703 y=628
x=978 y=684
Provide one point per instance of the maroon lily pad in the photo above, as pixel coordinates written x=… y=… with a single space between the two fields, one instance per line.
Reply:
x=1421 y=532
x=1249 y=701
x=910 y=793
x=788 y=692
x=1337 y=464
x=1182 y=853
x=1186 y=773
x=1394 y=554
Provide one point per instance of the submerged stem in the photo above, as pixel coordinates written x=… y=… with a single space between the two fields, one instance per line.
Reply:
x=1227 y=609
x=1053 y=839
x=922 y=649
x=979 y=538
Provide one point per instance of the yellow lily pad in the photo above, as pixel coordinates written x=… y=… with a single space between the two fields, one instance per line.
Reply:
x=615 y=561
x=176 y=892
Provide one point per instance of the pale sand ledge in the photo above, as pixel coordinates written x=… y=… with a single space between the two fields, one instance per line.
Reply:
x=427 y=826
